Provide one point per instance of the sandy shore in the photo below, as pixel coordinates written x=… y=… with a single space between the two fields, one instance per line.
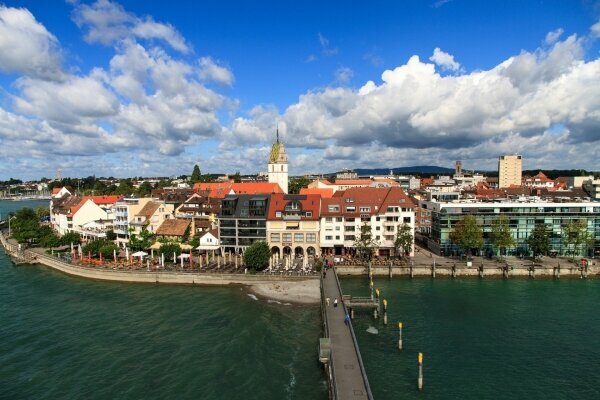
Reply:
x=299 y=292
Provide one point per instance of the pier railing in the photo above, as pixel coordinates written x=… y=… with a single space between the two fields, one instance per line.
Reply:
x=360 y=362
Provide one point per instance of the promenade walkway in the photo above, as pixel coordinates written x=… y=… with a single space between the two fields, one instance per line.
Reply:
x=349 y=378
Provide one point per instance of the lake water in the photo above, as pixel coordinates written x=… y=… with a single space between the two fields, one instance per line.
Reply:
x=484 y=339
x=68 y=338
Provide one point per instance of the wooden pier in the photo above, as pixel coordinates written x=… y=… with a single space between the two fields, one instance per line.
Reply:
x=339 y=350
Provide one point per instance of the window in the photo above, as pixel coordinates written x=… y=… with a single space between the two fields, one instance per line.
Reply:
x=339 y=219
x=328 y=237
x=337 y=228
x=287 y=237
x=349 y=200
x=333 y=208
x=274 y=237
x=407 y=220
x=365 y=209
x=308 y=214
x=278 y=214
x=351 y=209
x=299 y=237
x=377 y=228
x=377 y=219
x=311 y=237
x=377 y=237
x=337 y=238
x=328 y=219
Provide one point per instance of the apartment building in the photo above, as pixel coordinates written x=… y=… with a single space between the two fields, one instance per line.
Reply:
x=383 y=209
x=242 y=221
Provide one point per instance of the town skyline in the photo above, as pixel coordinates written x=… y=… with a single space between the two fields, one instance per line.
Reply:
x=125 y=89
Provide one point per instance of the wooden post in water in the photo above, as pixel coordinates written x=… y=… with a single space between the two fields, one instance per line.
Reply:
x=454 y=270
x=352 y=313
x=385 y=318
x=420 y=379
x=558 y=270
x=399 y=335
x=481 y=270
x=390 y=273
x=433 y=269
x=411 y=269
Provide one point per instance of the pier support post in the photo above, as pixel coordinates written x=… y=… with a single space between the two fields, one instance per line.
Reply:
x=385 y=316
x=420 y=379
x=411 y=270
x=433 y=270
x=454 y=270
x=375 y=313
x=399 y=335
x=558 y=271
x=390 y=272
x=352 y=313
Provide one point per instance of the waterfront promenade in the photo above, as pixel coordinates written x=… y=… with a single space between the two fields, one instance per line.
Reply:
x=349 y=379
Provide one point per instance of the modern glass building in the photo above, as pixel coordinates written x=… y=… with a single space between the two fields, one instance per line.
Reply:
x=242 y=221
x=522 y=216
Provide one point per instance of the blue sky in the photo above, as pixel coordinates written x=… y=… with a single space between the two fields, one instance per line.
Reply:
x=151 y=88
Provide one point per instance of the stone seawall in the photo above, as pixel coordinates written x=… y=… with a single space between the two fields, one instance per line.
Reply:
x=180 y=278
x=558 y=269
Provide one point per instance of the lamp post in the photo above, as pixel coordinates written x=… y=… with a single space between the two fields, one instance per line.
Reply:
x=9 y=219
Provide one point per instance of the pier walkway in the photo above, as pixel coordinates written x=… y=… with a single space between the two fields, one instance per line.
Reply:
x=348 y=376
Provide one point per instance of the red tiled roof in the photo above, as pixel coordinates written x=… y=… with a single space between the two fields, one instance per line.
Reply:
x=349 y=182
x=98 y=200
x=310 y=202
x=325 y=193
x=149 y=209
x=56 y=190
x=377 y=199
x=222 y=189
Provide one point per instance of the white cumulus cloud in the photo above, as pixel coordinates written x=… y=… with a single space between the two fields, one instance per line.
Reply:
x=212 y=71
x=26 y=46
x=444 y=60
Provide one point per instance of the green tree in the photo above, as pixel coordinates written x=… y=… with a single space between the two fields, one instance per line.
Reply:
x=575 y=235
x=68 y=238
x=501 y=235
x=297 y=183
x=142 y=241
x=256 y=256
x=237 y=178
x=404 y=239
x=195 y=242
x=42 y=212
x=365 y=244
x=107 y=249
x=144 y=189
x=196 y=175
x=467 y=234
x=539 y=240
x=169 y=248
x=111 y=235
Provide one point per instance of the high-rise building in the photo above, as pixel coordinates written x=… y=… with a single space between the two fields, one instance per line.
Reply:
x=509 y=171
x=278 y=165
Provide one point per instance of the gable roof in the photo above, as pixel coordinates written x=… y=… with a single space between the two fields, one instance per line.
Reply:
x=149 y=209
x=376 y=199
x=222 y=189
x=310 y=202
x=173 y=227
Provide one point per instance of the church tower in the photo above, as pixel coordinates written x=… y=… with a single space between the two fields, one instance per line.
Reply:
x=278 y=165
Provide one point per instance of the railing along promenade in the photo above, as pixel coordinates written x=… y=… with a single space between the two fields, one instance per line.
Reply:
x=347 y=375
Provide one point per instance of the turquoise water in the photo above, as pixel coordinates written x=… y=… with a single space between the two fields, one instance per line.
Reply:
x=484 y=339
x=69 y=338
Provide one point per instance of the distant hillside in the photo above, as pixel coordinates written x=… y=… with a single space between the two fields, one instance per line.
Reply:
x=418 y=169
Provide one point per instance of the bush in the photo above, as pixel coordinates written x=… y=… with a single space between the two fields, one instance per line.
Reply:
x=169 y=248
x=318 y=265
x=68 y=238
x=108 y=249
x=256 y=257
x=99 y=246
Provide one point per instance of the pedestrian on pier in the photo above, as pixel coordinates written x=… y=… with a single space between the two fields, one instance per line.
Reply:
x=335 y=302
x=324 y=273
x=347 y=320
x=327 y=301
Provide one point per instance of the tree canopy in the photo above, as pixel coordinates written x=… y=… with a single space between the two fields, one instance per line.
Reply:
x=576 y=236
x=296 y=184
x=467 y=234
x=364 y=243
x=196 y=175
x=539 y=240
x=404 y=239
x=256 y=256
x=501 y=235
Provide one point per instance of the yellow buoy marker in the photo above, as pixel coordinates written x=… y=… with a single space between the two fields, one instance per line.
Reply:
x=385 y=317
x=420 y=381
x=399 y=335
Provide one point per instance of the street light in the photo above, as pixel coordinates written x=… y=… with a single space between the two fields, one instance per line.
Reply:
x=9 y=219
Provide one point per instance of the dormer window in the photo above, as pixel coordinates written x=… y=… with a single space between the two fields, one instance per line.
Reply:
x=293 y=206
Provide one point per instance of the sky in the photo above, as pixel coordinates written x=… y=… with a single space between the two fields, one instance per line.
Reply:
x=138 y=88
